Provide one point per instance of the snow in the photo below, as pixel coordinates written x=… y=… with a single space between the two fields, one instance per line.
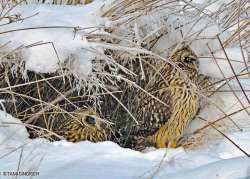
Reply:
x=235 y=57
x=55 y=45
x=88 y=160
x=224 y=169
x=226 y=150
x=202 y=34
x=13 y=132
x=63 y=36
x=215 y=156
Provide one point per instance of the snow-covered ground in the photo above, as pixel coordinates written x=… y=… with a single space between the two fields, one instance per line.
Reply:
x=211 y=156
x=108 y=160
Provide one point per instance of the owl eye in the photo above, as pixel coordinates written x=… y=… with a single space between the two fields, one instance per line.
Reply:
x=189 y=60
x=90 y=120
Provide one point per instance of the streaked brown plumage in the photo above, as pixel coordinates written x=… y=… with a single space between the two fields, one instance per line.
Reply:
x=161 y=121
x=85 y=126
x=164 y=117
x=178 y=89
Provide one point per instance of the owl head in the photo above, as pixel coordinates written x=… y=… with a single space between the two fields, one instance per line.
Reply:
x=87 y=126
x=186 y=59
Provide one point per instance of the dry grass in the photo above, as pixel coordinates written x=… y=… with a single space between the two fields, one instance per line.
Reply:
x=43 y=100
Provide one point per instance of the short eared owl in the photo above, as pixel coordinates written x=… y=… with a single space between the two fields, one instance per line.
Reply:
x=175 y=87
x=178 y=89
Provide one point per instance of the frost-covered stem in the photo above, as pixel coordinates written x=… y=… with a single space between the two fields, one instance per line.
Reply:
x=49 y=27
x=226 y=116
x=231 y=66
x=224 y=135
x=229 y=79
x=240 y=43
x=58 y=99
x=16 y=19
x=29 y=83
x=242 y=105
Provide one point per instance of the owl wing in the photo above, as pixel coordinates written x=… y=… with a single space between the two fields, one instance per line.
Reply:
x=152 y=113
